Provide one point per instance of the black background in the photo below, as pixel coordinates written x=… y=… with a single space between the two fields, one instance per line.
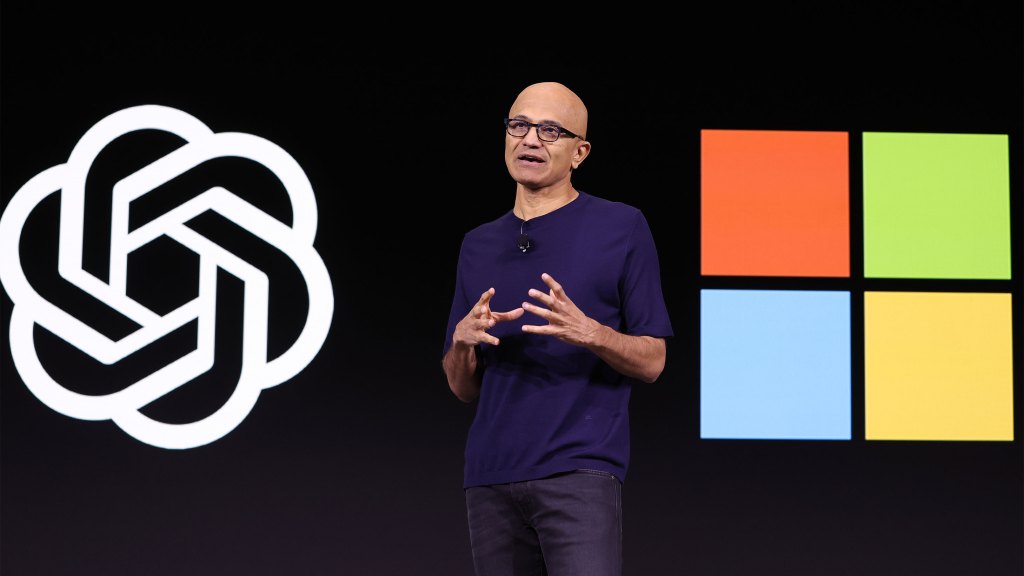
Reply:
x=355 y=465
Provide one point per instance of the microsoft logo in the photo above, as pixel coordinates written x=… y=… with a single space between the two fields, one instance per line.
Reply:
x=855 y=273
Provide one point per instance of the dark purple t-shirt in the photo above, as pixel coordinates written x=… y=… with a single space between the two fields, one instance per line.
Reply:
x=546 y=406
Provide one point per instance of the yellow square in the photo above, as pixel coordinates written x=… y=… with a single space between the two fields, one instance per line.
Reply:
x=938 y=366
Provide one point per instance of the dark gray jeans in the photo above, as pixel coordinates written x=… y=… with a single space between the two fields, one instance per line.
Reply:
x=564 y=525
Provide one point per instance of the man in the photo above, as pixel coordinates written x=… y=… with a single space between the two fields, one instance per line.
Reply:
x=558 y=308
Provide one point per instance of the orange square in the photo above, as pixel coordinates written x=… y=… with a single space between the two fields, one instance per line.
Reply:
x=775 y=203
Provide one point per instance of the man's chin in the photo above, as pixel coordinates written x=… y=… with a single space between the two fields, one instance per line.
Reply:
x=530 y=177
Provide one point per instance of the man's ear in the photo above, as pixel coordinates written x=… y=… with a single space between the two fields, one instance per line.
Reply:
x=582 y=151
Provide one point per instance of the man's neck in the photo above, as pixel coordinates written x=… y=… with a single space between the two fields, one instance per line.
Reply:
x=533 y=203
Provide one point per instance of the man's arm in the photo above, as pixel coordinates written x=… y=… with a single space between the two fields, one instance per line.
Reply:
x=640 y=357
x=459 y=365
x=459 y=362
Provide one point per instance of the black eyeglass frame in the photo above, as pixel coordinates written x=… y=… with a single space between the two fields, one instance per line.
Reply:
x=561 y=131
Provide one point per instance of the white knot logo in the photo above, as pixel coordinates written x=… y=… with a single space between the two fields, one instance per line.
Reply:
x=257 y=373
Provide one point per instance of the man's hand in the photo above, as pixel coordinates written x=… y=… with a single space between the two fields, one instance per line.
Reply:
x=472 y=329
x=460 y=362
x=565 y=321
x=640 y=357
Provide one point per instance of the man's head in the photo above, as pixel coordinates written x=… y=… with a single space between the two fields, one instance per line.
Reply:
x=535 y=163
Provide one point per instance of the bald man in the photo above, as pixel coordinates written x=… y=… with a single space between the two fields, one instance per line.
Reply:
x=558 y=310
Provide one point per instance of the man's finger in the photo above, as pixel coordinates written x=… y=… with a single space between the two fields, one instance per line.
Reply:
x=538 y=310
x=531 y=329
x=510 y=315
x=485 y=297
x=545 y=298
x=555 y=286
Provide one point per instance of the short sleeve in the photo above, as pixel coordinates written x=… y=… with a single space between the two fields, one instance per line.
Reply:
x=460 y=301
x=644 y=309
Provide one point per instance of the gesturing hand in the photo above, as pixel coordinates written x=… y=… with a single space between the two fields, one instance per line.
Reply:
x=565 y=321
x=472 y=329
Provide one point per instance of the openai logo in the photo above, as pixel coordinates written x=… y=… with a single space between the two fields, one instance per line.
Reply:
x=125 y=407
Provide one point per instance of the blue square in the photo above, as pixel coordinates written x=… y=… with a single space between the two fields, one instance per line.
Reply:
x=775 y=364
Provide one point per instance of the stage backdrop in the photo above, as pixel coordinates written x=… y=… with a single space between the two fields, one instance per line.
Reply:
x=228 y=254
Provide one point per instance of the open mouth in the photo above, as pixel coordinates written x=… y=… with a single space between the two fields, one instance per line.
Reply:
x=531 y=159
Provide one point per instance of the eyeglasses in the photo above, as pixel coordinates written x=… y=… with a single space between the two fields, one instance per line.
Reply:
x=546 y=132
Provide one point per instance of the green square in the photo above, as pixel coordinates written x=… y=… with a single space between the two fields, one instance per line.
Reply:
x=936 y=206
